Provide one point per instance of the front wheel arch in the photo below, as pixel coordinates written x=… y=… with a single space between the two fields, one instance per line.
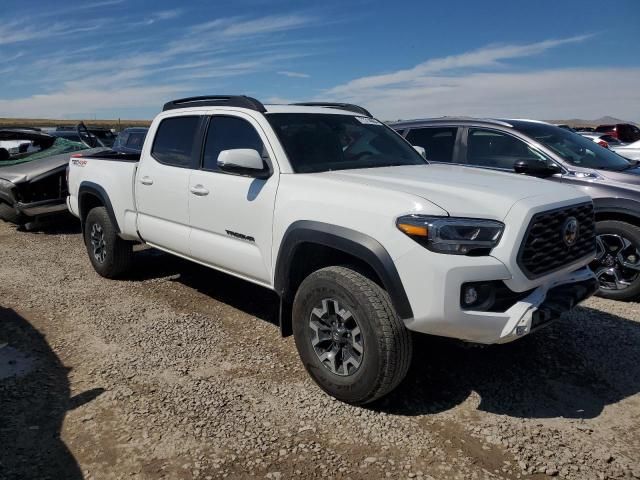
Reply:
x=346 y=247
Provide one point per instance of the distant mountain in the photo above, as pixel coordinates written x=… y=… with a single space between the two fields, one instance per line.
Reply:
x=578 y=122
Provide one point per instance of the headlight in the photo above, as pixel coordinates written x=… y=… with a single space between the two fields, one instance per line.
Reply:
x=457 y=236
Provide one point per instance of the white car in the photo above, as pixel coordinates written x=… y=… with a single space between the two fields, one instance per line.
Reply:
x=630 y=151
x=606 y=141
x=360 y=237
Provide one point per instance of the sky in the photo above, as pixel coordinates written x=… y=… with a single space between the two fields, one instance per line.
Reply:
x=548 y=59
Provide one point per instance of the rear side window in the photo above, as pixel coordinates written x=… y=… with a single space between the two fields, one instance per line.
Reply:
x=136 y=140
x=489 y=148
x=228 y=133
x=175 y=142
x=605 y=128
x=437 y=142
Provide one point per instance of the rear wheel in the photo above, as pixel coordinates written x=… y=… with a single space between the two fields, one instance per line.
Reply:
x=109 y=254
x=617 y=263
x=348 y=336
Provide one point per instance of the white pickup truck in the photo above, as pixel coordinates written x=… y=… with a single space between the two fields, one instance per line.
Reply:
x=360 y=237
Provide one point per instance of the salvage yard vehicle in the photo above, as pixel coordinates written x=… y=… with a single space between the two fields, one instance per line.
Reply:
x=32 y=183
x=630 y=151
x=98 y=136
x=542 y=150
x=360 y=237
x=130 y=140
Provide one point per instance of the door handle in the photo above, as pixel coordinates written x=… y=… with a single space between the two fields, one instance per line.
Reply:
x=199 y=190
x=146 y=180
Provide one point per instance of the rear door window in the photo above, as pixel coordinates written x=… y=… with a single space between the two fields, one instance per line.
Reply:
x=494 y=149
x=438 y=142
x=176 y=141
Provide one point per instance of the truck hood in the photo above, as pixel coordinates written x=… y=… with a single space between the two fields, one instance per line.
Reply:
x=460 y=191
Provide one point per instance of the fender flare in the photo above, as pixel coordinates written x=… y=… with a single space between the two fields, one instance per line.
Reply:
x=354 y=243
x=93 y=189
x=622 y=206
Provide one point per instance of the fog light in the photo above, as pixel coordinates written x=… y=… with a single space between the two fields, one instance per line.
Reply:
x=470 y=295
x=477 y=296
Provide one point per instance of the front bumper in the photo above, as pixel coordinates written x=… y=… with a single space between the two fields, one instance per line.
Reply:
x=44 y=207
x=437 y=310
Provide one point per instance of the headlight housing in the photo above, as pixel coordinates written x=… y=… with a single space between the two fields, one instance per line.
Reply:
x=455 y=236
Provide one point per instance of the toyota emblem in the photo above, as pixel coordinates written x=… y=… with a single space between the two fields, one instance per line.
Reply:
x=570 y=231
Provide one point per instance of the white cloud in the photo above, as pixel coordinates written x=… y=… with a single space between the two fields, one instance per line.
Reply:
x=556 y=93
x=70 y=101
x=287 y=73
x=480 y=83
x=268 y=24
x=142 y=75
x=488 y=56
x=16 y=32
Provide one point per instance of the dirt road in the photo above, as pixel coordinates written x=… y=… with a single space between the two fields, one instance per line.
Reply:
x=180 y=372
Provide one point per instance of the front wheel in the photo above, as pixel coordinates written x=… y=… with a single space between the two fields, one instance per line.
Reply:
x=617 y=263
x=9 y=214
x=109 y=254
x=348 y=336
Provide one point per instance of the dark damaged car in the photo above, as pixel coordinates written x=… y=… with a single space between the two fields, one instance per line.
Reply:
x=33 y=183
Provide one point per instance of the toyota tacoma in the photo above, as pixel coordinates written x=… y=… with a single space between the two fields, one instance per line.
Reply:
x=362 y=239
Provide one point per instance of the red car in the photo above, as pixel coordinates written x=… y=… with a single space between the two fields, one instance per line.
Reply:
x=625 y=132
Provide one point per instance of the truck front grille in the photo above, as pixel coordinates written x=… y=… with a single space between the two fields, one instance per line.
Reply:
x=549 y=244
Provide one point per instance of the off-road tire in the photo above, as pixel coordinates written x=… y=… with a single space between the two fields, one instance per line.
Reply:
x=118 y=254
x=387 y=343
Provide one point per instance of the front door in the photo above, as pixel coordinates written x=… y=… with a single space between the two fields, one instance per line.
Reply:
x=231 y=215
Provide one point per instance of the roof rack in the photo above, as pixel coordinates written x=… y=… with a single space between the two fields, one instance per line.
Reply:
x=216 y=100
x=342 y=106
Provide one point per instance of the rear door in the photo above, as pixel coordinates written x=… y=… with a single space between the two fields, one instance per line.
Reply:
x=162 y=182
x=231 y=214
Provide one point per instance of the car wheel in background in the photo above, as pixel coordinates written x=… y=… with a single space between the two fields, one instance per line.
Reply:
x=9 y=214
x=617 y=263
x=348 y=336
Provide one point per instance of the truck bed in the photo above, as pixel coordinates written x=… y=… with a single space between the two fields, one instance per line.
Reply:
x=110 y=172
x=115 y=156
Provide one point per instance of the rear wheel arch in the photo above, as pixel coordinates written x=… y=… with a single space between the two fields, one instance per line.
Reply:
x=91 y=195
x=308 y=246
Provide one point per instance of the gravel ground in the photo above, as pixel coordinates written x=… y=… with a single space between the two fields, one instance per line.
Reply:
x=180 y=372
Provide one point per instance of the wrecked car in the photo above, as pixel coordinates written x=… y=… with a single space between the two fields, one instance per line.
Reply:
x=106 y=136
x=33 y=183
x=130 y=140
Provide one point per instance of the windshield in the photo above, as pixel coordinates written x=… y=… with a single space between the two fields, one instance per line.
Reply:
x=321 y=142
x=60 y=146
x=573 y=148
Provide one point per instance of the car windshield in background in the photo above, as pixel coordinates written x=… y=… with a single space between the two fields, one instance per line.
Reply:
x=321 y=142
x=573 y=148
x=59 y=146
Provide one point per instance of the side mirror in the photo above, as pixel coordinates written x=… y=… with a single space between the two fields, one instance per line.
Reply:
x=420 y=150
x=244 y=161
x=536 y=168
